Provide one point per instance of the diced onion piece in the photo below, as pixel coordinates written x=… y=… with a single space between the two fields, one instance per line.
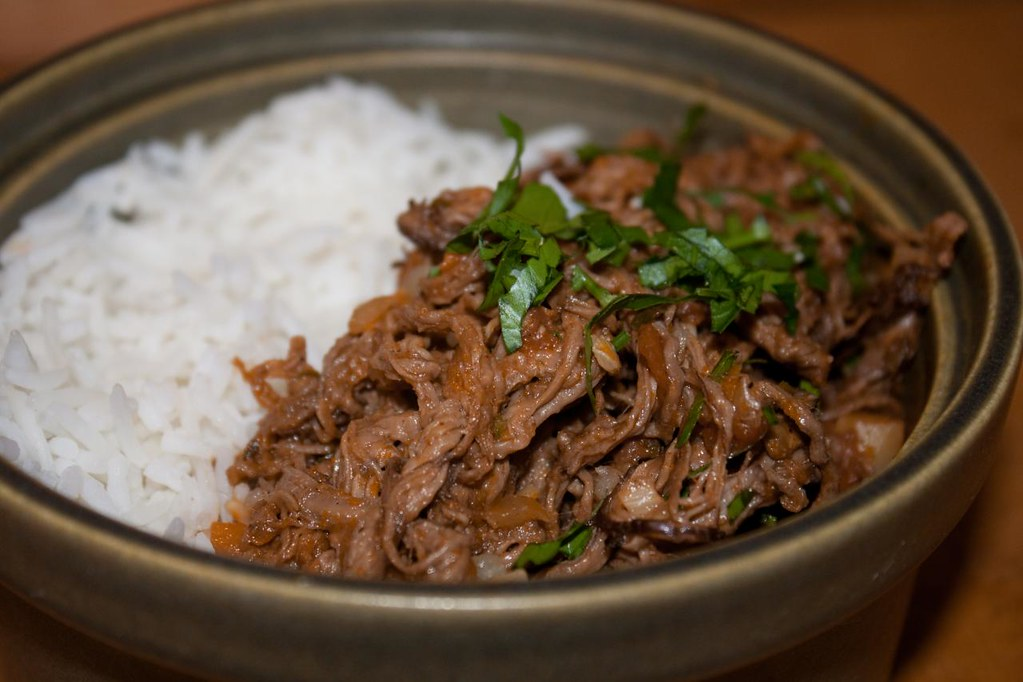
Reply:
x=604 y=481
x=639 y=496
x=491 y=566
x=879 y=436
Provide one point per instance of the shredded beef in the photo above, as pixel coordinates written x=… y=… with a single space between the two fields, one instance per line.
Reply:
x=424 y=450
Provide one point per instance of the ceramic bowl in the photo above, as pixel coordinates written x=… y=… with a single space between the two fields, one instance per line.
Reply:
x=820 y=596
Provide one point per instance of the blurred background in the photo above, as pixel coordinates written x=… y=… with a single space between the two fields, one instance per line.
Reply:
x=958 y=63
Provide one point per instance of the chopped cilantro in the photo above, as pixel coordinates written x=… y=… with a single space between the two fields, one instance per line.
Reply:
x=816 y=276
x=738 y=504
x=508 y=186
x=694 y=115
x=824 y=171
x=719 y=370
x=737 y=236
x=711 y=270
x=606 y=240
x=517 y=236
x=540 y=205
x=570 y=545
x=512 y=236
x=825 y=163
x=582 y=280
x=686 y=432
x=660 y=198
x=724 y=364
x=809 y=388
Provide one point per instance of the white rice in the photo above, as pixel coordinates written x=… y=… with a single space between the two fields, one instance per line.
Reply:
x=123 y=301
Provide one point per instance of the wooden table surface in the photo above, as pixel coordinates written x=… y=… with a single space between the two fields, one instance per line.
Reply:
x=961 y=64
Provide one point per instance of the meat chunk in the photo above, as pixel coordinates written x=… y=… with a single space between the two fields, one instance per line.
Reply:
x=430 y=226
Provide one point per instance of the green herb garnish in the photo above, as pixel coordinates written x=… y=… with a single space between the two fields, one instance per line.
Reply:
x=582 y=280
x=723 y=364
x=686 y=432
x=809 y=388
x=719 y=370
x=660 y=198
x=605 y=240
x=711 y=270
x=512 y=236
x=816 y=276
x=738 y=504
x=823 y=167
x=517 y=235
x=826 y=164
x=507 y=188
x=569 y=545
x=694 y=115
x=716 y=197
x=610 y=304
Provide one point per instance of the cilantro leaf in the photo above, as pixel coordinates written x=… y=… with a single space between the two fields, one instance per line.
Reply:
x=570 y=545
x=504 y=194
x=582 y=280
x=816 y=276
x=823 y=162
x=723 y=364
x=816 y=189
x=686 y=432
x=719 y=370
x=738 y=504
x=540 y=205
x=506 y=189
x=660 y=198
x=694 y=115
x=805 y=385
x=513 y=237
x=605 y=239
x=512 y=306
x=731 y=271
x=737 y=236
